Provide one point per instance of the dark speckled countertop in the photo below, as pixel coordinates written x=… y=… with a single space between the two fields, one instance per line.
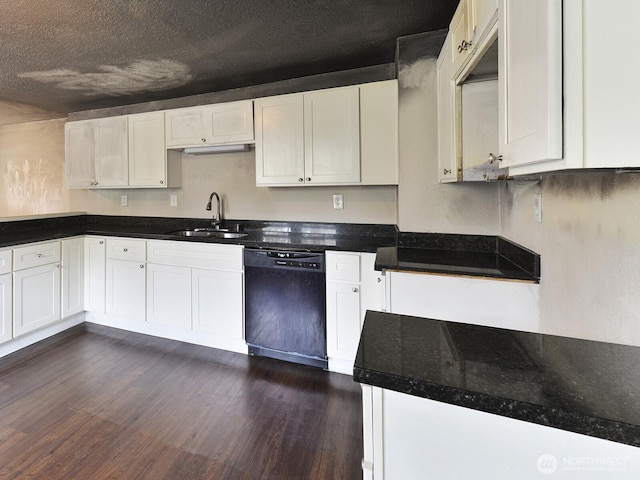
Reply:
x=260 y=234
x=587 y=387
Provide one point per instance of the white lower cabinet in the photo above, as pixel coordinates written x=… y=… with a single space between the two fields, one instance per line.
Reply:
x=36 y=301
x=126 y=278
x=95 y=270
x=477 y=300
x=6 y=296
x=169 y=295
x=218 y=302
x=198 y=288
x=353 y=287
x=407 y=437
x=72 y=276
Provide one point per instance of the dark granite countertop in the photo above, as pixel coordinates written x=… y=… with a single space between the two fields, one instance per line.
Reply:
x=583 y=386
x=260 y=234
x=474 y=255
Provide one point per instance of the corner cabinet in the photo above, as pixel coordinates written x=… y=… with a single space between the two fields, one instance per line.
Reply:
x=96 y=153
x=353 y=287
x=337 y=136
x=219 y=124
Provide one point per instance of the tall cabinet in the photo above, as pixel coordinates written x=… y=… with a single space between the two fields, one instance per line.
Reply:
x=6 y=296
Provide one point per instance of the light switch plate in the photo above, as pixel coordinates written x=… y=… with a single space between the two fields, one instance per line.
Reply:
x=338 y=202
x=173 y=200
x=538 y=207
x=123 y=201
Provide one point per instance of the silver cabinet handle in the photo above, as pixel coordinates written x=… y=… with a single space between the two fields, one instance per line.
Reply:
x=379 y=280
x=141 y=266
x=493 y=158
x=101 y=242
x=39 y=255
x=446 y=171
x=308 y=179
x=354 y=289
x=301 y=179
x=464 y=46
x=125 y=249
x=204 y=140
x=161 y=182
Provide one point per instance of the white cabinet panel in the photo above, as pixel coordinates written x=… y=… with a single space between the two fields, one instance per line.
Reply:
x=332 y=136
x=447 y=156
x=530 y=81
x=379 y=133
x=5 y=261
x=342 y=267
x=95 y=274
x=169 y=295
x=279 y=140
x=224 y=123
x=218 y=302
x=343 y=319
x=126 y=289
x=72 y=276
x=80 y=165
x=475 y=300
x=204 y=255
x=36 y=301
x=36 y=254
x=6 y=310
x=131 y=249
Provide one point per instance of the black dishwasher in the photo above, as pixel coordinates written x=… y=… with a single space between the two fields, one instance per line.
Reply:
x=285 y=312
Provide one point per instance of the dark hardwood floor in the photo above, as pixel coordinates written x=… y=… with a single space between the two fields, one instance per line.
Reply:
x=97 y=403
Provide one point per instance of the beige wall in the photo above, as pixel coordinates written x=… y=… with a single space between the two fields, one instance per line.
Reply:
x=589 y=241
x=32 y=169
x=232 y=175
x=424 y=205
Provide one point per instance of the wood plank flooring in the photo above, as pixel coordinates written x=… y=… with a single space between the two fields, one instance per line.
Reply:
x=97 y=403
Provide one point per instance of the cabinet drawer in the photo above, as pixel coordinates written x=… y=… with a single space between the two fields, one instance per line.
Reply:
x=35 y=255
x=201 y=255
x=343 y=267
x=126 y=249
x=5 y=261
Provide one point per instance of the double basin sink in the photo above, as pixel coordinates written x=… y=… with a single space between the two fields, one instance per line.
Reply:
x=209 y=233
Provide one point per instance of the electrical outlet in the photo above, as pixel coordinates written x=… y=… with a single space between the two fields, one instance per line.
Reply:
x=338 y=202
x=123 y=201
x=173 y=200
x=538 y=207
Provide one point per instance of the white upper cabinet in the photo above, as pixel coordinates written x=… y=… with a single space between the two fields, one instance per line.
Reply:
x=460 y=31
x=447 y=162
x=149 y=163
x=530 y=81
x=346 y=135
x=225 y=123
x=96 y=153
x=484 y=14
x=279 y=140
x=332 y=136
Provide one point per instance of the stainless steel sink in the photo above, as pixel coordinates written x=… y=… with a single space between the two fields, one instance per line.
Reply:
x=208 y=233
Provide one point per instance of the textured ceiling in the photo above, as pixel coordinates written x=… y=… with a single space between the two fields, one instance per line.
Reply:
x=74 y=55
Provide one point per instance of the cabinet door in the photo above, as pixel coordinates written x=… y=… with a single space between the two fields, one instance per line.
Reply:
x=6 y=297
x=229 y=123
x=484 y=13
x=343 y=320
x=169 y=295
x=147 y=152
x=332 y=136
x=185 y=127
x=530 y=81
x=112 y=155
x=379 y=133
x=279 y=140
x=373 y=293
x=79 y=151
x=95 y=274
x=218 y=302
x=36 y=298
x=447 y=158
x=126 y=289
x=72 y=276
x=460 y=28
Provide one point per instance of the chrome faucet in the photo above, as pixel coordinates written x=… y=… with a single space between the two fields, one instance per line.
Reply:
x=217 y=217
